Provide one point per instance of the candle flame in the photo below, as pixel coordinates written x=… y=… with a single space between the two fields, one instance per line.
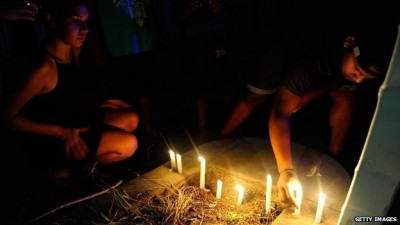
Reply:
x=239 y=187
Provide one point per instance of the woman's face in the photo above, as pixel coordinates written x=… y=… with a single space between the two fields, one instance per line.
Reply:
x=352 y=70
x=74 y=27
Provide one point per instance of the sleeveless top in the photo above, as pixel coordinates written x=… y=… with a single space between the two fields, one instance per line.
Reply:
x=64 y=104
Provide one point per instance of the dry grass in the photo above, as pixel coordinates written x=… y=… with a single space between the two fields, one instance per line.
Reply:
x=187 y=205
x=184 y=205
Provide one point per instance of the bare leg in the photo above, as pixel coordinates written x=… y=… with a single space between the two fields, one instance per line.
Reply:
x=116 y=146
x=340 y=118
x=242 y=111
x=126 y=120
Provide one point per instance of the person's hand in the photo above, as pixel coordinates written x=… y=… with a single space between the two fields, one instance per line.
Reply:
x=289 y=187
x=75 y=147
x=19 y=11
x=115 y=104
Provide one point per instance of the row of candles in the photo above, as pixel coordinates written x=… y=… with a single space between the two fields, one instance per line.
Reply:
x=176 y=165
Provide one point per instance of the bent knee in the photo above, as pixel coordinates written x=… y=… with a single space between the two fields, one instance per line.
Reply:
x=116 y=146
x=131 y=147
x=133 y=121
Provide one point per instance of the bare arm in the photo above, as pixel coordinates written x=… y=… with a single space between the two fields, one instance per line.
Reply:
x=41 y=81
x=279 y=130
x=279 y=127
x=37 y=82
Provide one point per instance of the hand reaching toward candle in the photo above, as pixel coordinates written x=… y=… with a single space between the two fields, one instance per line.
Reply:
x=288 y=184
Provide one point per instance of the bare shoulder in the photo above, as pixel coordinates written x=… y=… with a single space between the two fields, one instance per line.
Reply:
x=46 y=70
x=46 y=66
x=44 y=75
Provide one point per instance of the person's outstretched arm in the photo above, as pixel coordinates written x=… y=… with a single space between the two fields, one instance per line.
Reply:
x=279 y=130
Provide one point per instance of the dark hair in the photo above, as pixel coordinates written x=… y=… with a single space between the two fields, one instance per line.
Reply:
x=374 y=47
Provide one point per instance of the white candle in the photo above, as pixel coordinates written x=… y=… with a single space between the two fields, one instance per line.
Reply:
x=299 y=199
x=173 y=161
x=320 y=207
x=179 y=162
x=202 y=172
x=240 y=194
x=219 y=189
x=268 y=194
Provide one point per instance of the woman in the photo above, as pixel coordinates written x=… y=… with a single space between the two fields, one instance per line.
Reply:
x=49 y=109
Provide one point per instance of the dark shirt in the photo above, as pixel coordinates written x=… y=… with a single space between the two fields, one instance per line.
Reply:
x=64 y=105
x=313 y=60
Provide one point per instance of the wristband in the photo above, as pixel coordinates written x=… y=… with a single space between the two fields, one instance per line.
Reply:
x=285 y=171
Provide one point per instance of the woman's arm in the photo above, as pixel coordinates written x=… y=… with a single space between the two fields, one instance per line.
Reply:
x=39 y=81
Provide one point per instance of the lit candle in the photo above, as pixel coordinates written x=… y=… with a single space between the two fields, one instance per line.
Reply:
x=299 y=199
x=320 y=207
x=173 y=162
x=268 y=194
x=219 y=189
x=240 y=194
x=179 y=162
x=202 y=172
